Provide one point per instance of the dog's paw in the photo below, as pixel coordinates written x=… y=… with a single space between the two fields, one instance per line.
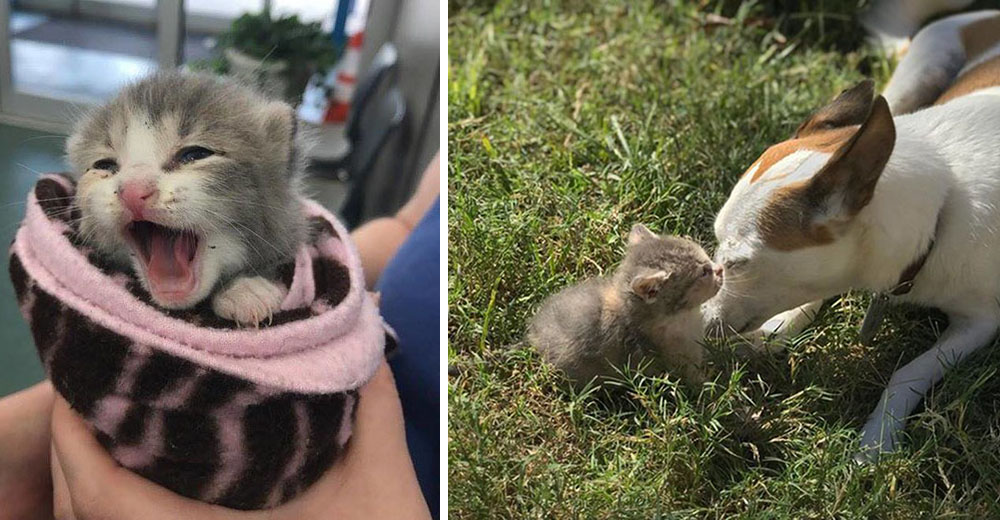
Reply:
x=877 y=437
x=248 y=300
x=889 y=32
x=891 y=46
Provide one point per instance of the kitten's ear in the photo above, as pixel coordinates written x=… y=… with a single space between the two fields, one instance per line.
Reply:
x=647 y=286
x=638 y=234
x=280 y=125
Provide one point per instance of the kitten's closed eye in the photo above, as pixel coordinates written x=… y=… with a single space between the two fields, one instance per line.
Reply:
x=192 y=153
x=106 y=164
x=734 y=264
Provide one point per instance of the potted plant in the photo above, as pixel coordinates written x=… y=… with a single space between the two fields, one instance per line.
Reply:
x=279 y=54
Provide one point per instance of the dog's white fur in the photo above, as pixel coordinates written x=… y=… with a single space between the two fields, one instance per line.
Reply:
x=891 y=23
x=935 y=58
x=941 y=182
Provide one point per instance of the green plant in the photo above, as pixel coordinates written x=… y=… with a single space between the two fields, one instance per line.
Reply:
x=215 y=65
x=304 y=46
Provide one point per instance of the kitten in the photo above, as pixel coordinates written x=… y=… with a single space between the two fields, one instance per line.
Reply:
x=648 y=310
x=193 y=180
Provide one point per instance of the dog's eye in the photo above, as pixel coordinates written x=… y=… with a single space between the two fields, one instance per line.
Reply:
x=106 y=164
x=193 y=153
x=706 y=270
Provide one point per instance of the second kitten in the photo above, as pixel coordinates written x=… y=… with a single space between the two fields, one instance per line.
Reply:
x=648 y=311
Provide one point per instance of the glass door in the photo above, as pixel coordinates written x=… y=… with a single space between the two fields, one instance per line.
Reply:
x=57 y=57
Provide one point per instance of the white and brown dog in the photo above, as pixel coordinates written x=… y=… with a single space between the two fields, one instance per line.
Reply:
x=898 y=194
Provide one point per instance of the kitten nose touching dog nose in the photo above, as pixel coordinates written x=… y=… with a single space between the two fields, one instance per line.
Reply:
x=648 y=315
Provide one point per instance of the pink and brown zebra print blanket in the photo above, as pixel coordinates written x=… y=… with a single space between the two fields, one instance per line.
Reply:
x=244 y=418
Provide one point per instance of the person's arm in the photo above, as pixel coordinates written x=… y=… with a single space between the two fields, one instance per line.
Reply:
x=378 y=239
x=25 y=486
x=374 y=479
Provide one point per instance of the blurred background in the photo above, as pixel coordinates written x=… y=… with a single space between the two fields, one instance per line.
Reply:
x=362 y=74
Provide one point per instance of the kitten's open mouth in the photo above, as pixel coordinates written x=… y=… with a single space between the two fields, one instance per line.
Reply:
x=169 y=256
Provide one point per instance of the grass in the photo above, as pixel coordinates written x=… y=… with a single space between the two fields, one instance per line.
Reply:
x=568 y=122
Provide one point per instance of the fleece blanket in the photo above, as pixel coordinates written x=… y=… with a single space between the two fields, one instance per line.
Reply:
x=244 y=418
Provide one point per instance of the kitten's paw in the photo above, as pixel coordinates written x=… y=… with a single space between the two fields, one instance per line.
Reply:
x=694 y=375
x=249 y=300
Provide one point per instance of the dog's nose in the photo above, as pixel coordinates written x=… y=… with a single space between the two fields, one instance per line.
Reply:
x=136 y=196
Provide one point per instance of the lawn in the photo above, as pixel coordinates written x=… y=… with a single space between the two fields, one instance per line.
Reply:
x=570 y=121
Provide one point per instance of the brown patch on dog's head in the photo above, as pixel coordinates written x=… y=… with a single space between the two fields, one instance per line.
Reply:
x=826 y=141
x=786 y=222
x=826 y=130
x=841 y=189
x=979 y=36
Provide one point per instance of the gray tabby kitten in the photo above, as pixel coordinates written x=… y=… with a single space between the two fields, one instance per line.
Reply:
x=194 y=180
x=649 y=309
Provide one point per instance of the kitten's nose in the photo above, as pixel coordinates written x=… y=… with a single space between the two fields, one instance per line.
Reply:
x=719 y=271
x=136 y=196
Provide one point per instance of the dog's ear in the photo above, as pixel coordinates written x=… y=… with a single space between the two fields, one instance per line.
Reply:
x=811 y=212
x=638 y=234
x=848 y=179
x=851 y=107
x=647 y=286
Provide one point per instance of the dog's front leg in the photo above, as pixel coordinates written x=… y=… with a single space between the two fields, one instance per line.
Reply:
x=908 y=385
x=786 y=325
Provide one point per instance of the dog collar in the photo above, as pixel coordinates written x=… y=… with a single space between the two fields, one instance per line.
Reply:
x=880 y=302
x=905 y=283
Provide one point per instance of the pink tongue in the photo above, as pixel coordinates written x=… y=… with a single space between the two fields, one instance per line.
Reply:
x=169 y=259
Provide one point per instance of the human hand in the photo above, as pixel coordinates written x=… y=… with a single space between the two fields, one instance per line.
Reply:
x=25 y=484
x=374 y=479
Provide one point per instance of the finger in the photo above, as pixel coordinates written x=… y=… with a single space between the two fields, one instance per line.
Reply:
x=25 y=480
x=89 y=473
